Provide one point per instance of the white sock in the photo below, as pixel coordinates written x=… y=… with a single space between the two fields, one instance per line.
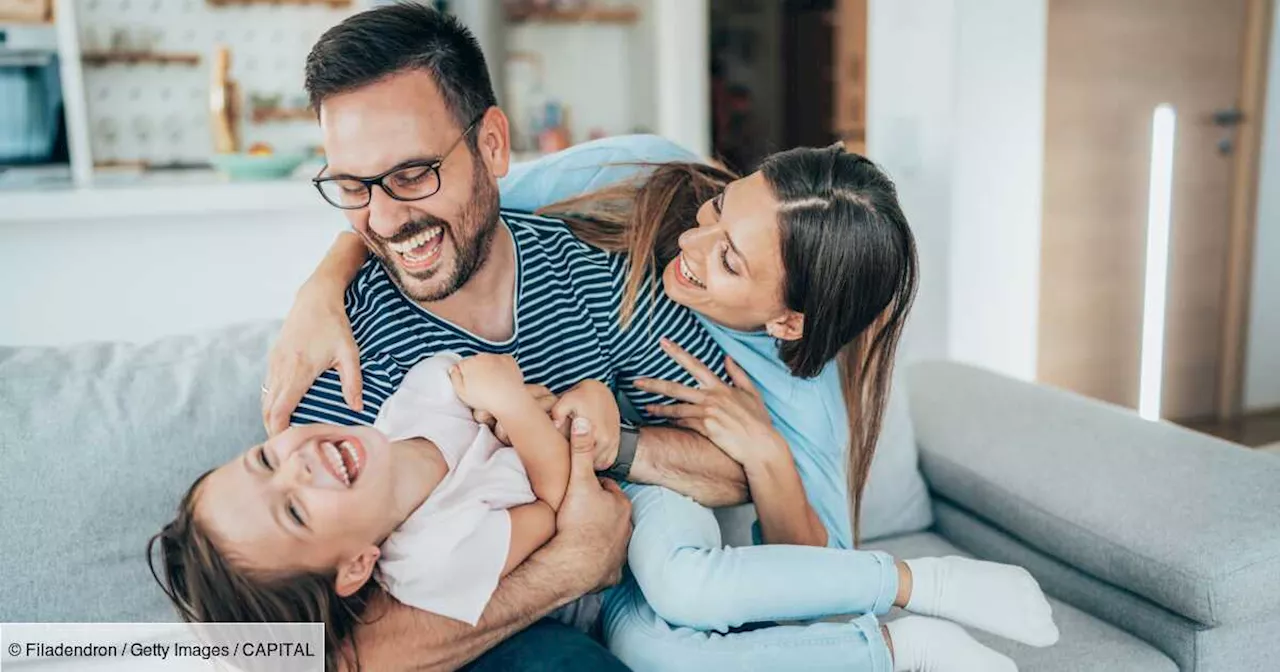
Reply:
x=930 y=645
x=1002 y=599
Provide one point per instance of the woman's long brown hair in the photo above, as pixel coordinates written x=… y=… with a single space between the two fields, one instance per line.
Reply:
x=848 y=253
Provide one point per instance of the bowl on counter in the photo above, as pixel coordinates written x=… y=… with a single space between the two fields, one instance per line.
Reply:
x=244 y=166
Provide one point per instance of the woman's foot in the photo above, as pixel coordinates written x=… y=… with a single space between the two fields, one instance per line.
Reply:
x=930 y=645
x=1004 y=600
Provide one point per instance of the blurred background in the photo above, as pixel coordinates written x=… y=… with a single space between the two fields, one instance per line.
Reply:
x=1094 y=184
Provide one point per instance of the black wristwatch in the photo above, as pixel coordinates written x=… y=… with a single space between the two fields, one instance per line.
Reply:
x=627 y=439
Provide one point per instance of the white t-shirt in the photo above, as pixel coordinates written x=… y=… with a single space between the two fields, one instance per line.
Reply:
x=447 y=556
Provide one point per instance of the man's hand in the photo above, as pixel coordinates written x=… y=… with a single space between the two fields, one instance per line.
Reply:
x=594 y=522
x=594 y=401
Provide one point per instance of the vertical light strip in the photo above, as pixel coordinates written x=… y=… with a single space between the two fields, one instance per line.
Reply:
x=1155 y=286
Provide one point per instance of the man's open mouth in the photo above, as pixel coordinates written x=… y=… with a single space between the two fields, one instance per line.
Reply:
x=421 y=250
x=344 y=459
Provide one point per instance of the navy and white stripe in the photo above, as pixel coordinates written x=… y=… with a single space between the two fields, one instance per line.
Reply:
x=568 y=298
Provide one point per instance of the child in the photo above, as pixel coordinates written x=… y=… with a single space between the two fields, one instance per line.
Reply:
x=427 y=502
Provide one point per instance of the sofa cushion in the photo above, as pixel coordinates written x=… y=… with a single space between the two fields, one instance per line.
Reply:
x=1184 y=520
x=1226 y=648
x=97 y=444
x=1086 y=644
x=896 y=499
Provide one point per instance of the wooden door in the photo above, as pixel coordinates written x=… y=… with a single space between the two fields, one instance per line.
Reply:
x=850 y=71
x=1109 y=64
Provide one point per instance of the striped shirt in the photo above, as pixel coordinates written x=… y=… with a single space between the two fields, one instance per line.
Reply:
x=567 y=329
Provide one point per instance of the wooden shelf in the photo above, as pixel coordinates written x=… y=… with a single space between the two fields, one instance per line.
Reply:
x=267 y=115
x=228 y=3
x=134 y=57
x=614 y=15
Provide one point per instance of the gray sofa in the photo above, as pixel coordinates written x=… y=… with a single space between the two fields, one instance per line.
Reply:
x=1160 y=547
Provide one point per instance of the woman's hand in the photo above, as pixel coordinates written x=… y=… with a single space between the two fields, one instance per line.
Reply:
x=492 y=383
x=316 y=336
x=733 y=417
x=593 y=400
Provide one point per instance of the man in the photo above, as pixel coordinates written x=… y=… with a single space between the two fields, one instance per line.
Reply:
x=415 y=144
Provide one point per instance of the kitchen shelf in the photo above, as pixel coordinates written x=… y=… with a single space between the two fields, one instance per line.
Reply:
x=615 y=15
x=330 y=3
x=267 y=115
x=98 y=58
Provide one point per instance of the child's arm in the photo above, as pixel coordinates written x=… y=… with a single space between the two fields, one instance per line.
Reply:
x=494 y=383
x=532 y=525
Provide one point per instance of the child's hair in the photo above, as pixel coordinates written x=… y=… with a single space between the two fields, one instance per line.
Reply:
x=206 y=586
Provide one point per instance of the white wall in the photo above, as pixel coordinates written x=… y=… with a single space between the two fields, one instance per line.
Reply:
x=141 y=278
x=1262 y=363
x=683 y=71
x=909 y=132
x=955 y=114
x=997 y=170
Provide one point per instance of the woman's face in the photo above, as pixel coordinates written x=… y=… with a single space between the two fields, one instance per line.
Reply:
x=310 y=498
x=730 y=264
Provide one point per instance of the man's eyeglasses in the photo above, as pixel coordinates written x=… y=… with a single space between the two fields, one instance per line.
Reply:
x=412 y=181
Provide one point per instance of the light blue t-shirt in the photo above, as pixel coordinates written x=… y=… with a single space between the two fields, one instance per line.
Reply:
x=809 y=413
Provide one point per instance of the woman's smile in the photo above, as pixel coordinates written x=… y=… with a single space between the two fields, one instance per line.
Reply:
x=688 y=276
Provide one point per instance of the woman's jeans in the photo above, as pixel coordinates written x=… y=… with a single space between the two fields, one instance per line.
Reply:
x=684 y=593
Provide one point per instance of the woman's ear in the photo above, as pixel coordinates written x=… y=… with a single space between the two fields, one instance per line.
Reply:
x=354 y=573
x=786 y=327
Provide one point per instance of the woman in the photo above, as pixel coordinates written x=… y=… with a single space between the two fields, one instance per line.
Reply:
x=804 y=273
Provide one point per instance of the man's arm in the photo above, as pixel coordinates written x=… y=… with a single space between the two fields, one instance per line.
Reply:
x=690 y=464
x=404 y=638
x=593 y=527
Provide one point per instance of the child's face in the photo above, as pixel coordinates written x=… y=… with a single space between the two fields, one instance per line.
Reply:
x=311 y=498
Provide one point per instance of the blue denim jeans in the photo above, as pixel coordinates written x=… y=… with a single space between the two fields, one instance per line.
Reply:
x=685 y=593
x=547 y=646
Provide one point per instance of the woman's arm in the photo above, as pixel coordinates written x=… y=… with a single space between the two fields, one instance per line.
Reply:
x=734 y=417
x=339 y=266
x=316 y=336
x=782 y=506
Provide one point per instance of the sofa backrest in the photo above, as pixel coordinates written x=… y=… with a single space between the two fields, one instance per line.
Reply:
x=97 y=444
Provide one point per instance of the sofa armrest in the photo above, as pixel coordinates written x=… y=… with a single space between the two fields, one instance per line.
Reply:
x=1187 y=521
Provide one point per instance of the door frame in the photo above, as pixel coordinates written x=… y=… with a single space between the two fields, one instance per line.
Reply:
x=1243 y=218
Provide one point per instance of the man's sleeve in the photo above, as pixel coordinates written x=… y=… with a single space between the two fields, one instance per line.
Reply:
x=636 y=351
x=582 y=168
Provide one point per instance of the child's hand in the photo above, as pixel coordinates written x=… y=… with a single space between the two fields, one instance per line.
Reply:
x=488 y=382
x=593 y=400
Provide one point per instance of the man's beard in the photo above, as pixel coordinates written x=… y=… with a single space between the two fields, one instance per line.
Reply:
x=479 y=217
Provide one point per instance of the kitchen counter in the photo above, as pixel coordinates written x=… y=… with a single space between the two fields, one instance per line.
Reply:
x=186 y=193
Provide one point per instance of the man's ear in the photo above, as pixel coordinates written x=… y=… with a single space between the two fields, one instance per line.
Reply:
x=354 y=573
x=788 y=326
x=493 y=141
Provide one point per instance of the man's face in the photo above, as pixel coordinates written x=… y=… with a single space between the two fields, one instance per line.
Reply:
x=431 y=247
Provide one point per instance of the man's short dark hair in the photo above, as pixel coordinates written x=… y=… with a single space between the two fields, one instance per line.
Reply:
x=377 y=43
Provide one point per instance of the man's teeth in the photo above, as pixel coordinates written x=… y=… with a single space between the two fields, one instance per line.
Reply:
x=424 y=237
x=688 y=275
